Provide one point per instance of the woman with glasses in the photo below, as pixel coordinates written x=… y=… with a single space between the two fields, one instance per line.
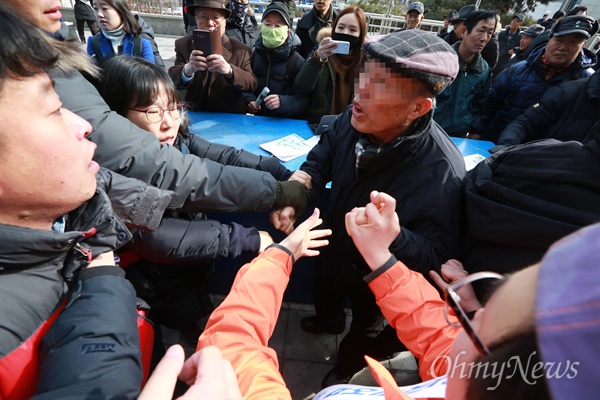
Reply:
x=119 y=33
x=177 y=259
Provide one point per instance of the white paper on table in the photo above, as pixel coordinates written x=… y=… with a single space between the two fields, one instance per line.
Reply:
x=472 y=160
x=289 y=147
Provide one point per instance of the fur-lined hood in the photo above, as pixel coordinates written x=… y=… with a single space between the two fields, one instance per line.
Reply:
x=72 y=57
x=323 y=33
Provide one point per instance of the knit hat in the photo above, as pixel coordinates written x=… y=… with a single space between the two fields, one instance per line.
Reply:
x=416 y=6
x=567 y=319
x=533 y=30
x=216 y=4
x=279 y=8
x=416 y=54
x=579 y=24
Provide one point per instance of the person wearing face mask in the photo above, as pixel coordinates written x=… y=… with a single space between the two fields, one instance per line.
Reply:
x=119 y=33
x=328 y=76
x=276 y=64
x=242 y=24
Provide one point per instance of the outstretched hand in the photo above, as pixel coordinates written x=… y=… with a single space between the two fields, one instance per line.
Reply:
x=303 y=240
x=373 y=228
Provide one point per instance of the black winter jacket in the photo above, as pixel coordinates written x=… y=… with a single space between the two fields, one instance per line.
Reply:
x=565 y=112
x=190 y=238
x=521 y=200
x=277 y=69
x=247 y=33
x=307 y=30
x=423 y=172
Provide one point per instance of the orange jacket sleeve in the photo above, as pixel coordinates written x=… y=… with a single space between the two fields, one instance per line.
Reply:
x=414 y=308
x=242 y=325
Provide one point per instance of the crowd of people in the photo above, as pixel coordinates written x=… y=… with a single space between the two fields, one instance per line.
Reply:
x=104 y=193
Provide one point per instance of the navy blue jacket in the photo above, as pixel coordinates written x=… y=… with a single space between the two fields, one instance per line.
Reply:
x=521 y=86
x=565 y=112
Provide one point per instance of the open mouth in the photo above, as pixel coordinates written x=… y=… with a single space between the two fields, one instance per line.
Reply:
x=356 y=110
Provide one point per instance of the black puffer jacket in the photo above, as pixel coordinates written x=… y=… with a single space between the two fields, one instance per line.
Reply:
x=277 y=69
x=423 y=172
x=525 y=198
x=565 y=112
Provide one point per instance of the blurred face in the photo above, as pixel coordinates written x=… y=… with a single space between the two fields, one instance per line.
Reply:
x=510 y=312
x=322 y=5
x=274 y=20
x=515 y=23
x=458 y=25
x=562 y=50
x=107 y=16
x=44 y=14
x=473 y=42
x=383 y=103
x=209 y=19
x=167 y=128
x=348 y=24
x=47 y=167
x=413 y=19
x=525 y=42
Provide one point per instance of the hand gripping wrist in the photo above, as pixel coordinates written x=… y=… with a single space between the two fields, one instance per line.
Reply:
x=291 y=193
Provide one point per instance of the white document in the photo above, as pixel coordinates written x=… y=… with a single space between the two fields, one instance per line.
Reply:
x=472 y=160
x=433 y=389
x=289 y=147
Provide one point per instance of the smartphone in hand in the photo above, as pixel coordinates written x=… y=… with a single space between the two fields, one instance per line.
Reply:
x=343 y=47
x=208 y=42
x=261 y=97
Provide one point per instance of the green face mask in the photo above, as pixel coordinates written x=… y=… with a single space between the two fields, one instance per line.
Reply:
x=273 y=37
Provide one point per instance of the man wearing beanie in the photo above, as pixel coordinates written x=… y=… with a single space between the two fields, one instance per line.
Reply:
x=562 y=59
x=276 y=63
x=386 y=141
x=458 y=107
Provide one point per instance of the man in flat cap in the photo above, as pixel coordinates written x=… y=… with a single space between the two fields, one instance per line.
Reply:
x=385 y=140
x=213 y=82
x=459 y=107
x=562 y=59
x=527 y=37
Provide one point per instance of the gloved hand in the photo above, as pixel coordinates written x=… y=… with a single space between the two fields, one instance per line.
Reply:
x=291 y=193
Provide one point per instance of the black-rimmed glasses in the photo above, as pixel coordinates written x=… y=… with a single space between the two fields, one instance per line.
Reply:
x=156 y=114
x=453 y=301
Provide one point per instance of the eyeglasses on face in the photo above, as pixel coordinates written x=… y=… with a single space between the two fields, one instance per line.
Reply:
x=453 y=302
x=156 y=114
x=204 y=18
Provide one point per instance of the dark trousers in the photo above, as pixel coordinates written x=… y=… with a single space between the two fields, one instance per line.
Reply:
x=367 y=335
x=92 y=25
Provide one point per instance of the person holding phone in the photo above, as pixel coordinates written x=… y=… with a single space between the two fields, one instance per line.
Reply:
x=276 y=63
x=213 y=82
x=328 y=75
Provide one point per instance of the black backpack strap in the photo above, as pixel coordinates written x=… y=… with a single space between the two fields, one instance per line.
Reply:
x=96 y=49
x=137 y=46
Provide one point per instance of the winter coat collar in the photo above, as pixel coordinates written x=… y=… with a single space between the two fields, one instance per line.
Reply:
x=474 y=67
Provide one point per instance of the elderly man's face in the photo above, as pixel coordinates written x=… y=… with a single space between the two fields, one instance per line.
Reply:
x=515 y=23
x=413 y=19
x=322 y=5
x=44 y=14
x=562 y=50
x=47 y=167
x=473 y=42
x=209 y=19
x=525 y=42
x=382 y=101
